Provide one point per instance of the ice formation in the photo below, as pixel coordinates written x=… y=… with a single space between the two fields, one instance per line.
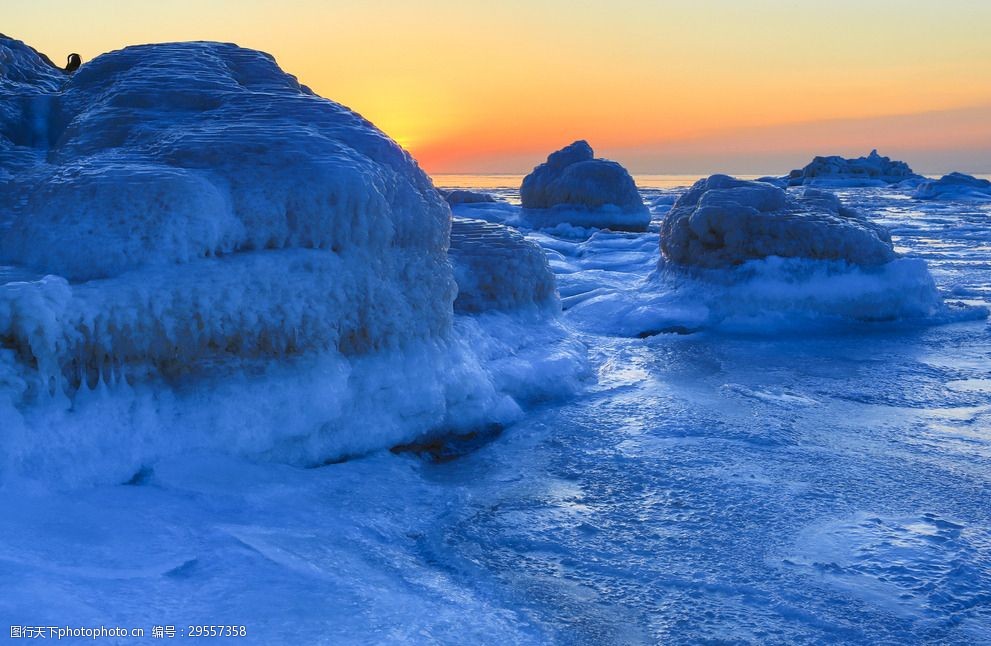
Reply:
x=464 y=196
x=955 y=186
x=161 y=178
x=749 y=256
x=722 y=222
x=574 y=187
x=497 y=268
x=872 y=170
x=189 y=213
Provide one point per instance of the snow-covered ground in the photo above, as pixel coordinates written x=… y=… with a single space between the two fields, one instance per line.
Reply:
x=805 y=486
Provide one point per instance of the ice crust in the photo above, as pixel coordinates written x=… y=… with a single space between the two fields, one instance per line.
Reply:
x=836 y=171
x=955 y=186
x=574 y=187
x=722 y=222
x=762 y=297
x=200 y=253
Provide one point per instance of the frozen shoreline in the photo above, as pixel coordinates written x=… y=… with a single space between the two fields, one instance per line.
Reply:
x=778 y=432
x=698 y=489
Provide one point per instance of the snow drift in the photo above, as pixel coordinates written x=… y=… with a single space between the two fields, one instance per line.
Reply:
x=955 y=186
x=574 y=187
x=190 y=214
x=836 y=171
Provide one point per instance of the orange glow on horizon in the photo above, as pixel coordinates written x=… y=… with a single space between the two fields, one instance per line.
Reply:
x=471 y=86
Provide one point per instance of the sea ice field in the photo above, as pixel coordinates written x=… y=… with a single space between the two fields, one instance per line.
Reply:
x=256 y=371
x=718 y=486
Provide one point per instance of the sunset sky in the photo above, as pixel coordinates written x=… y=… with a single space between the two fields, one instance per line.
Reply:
x=680 y=87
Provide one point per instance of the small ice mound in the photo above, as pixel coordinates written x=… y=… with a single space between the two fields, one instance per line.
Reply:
x=772 y=296
x=497 y=212
x=464 y=196
x=955 y=186
x=836 y=171
x=496 y=268
x=574 y=187
x=663 y=200
x=723 y=222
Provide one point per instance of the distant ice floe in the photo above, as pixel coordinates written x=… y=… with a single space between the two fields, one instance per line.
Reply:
x=200 y=253
x=835 y=171
x=573 y=187
x=464 y=196
x=955 y=186
x=751 y=257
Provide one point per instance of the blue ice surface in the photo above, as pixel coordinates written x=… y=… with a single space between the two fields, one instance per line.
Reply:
x=713 y=487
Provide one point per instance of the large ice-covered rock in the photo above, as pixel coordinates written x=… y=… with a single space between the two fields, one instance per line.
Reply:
x=955 y=186
x=205 y=165
x=722 y=221
x=836 y=171
x=197 y=252
x=574 y=187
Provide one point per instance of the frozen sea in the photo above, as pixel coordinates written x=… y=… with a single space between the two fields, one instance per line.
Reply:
x=713 y=487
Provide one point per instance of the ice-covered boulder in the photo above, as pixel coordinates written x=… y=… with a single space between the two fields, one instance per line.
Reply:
x=496 y=268
x=204 y=161
x=836 y=171
x=464 y=196
x=198 y=253
x=752 y=257
x=955 y=186
x=574 y=187
x=722 y=221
